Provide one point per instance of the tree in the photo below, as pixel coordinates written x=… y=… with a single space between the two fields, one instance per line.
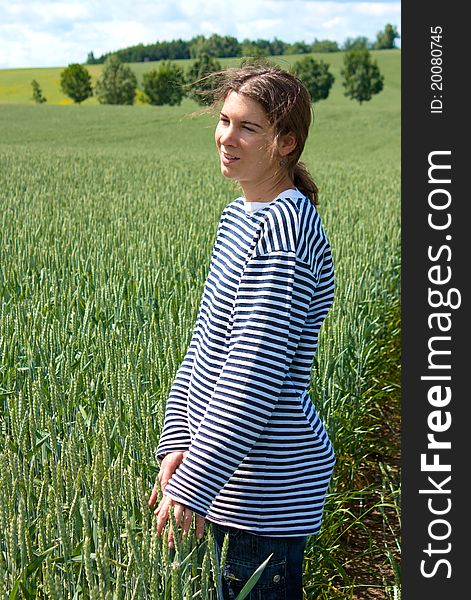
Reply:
x=362 y=77
x=165 y=85
x=316 y=77
x=358 y=43
x=201 y=83
x=37 y=92
x=117 y=83
x=386 y=39
x=324 y=46
x=298 y=48
x=91 y=60
x=216 y=46
x=76 y=82
x=278 y=47
x=256 y=49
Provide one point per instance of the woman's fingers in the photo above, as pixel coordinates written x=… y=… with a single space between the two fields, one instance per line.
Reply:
x=162 y=513
x=187 y=519
x=161 y=503
x=183 y=518
x=179 y=511
x=153 y=496
x=199 y=526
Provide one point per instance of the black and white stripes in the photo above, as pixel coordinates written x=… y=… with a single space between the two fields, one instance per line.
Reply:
x=259 y=456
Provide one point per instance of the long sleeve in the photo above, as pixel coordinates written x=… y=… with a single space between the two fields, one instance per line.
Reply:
x=264 y=330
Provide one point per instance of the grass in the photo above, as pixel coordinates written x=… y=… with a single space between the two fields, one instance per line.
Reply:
x=108 y=217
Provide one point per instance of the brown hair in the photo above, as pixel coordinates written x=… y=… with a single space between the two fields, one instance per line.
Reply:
x=287 y=104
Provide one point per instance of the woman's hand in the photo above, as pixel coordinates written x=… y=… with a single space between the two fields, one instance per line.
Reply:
x=183 y=516
x=168 y=466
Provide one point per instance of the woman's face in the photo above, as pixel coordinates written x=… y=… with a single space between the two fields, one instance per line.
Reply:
x=244 y=139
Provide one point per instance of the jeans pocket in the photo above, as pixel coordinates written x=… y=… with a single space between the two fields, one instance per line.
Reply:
x=270 y=586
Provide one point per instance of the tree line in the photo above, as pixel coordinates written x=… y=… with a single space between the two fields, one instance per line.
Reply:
x=169 y=83
x=226 y=46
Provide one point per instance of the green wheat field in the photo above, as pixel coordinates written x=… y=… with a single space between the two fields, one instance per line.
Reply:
x=108 y=216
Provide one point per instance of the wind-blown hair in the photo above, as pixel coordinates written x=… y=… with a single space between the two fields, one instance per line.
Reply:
x=287 y=104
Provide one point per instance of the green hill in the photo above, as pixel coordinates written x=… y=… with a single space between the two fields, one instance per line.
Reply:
x=15 y=84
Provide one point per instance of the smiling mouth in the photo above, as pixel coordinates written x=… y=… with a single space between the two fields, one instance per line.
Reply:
x=228 y=158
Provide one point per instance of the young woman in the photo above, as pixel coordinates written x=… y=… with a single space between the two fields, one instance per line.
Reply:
x=242 y=444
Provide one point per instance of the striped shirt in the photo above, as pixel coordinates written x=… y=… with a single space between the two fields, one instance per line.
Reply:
x=259 y=456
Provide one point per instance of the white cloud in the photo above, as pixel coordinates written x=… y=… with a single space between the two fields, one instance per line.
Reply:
x=378 y=9
x=54 y=33
x=333 y=23
x=44 y=14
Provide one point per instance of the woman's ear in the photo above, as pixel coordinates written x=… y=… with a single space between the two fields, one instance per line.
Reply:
x=286 y=144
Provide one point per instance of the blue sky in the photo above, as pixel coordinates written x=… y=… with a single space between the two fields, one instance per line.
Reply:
x=50 y=33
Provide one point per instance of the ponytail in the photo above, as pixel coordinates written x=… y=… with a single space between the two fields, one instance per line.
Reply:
x=305 y=183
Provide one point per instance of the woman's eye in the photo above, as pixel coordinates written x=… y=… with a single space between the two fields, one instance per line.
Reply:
x=226 y=123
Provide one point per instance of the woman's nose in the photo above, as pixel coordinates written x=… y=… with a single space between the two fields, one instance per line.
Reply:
x=228 y=136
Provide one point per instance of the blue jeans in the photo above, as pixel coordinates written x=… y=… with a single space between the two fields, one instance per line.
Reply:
x=282 y=576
